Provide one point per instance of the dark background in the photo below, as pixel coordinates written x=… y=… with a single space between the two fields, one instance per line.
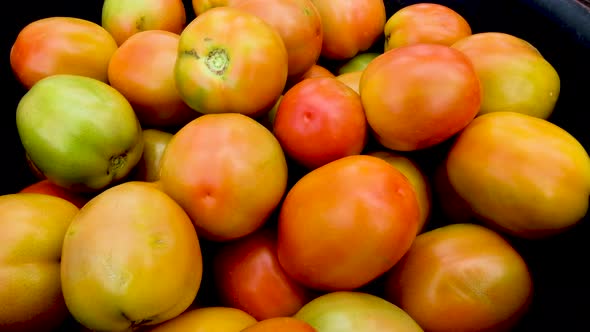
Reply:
x=560 y=29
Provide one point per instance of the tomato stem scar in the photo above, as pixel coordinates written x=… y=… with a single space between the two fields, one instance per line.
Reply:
x=117 y=162
x=217 y=61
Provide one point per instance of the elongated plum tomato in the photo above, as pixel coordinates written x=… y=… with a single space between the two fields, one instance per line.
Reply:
x=350 y=26
x=320 y=120
x=536 y=175
x=142 y=70
x=48 y=188
x=219 y=70
x=210 y=319
x=130 y=257
x=461 y=277
x=419 y=95
x=61 y=45
x=355 y=311
x=283 y=324
x=425 y=23
x=201 y=6
x=249 y=277
x=124 y=18
x=346 y=223
x=80 y=132
x=227 y=171
x=32 y=228
x=299 y=24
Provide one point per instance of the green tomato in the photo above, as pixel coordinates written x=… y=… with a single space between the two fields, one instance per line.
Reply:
x=81 y=133
x=357 y=63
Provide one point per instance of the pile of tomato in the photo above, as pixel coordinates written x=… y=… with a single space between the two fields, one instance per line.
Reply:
x=273 y=165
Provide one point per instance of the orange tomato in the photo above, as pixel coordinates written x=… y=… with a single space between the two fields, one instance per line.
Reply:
x=461 y=277
x=283 y=324
x=320 y=120
x=48 y=188
x=346 y=223
x=142 y=70
x=61 y=45
x=211 y=319
x=249 y=277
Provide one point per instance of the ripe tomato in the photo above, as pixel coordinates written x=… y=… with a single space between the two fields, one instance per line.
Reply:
x=535 y=174
x=124 y=18
x=48 y=188
x=142 y=69
x=154 y=143
x=355 y=312
x=420 y=95
x=350 y=26
x=211 y=319
x=320 y=120
x=461 y=277
x=514 y=75
x=346 y=223
x=352 y=79
x=249 y=277
x=61 y=45
x=283 y=324
x=222 y=160
x=313 y=72
x=425 y=23
x=299 y=24
x=220 y=71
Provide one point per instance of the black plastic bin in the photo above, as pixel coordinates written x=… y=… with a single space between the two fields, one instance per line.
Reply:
x=560 y=29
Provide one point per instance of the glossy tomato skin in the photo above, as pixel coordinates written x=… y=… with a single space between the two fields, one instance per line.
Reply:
x=66 y=45
x=536 y=175
x=419 y=95
x=299 y=24
x=461 y=277
x=124 y=18
x=350 y=26
x=320 y=120
x=48 y=188
x=346 y=223
x=249 y=277
x=425 y=23
x=211 y=319
x=283 y=324
x=220 y=71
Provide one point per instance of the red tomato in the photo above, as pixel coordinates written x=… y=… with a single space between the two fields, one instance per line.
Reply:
x=320 y=120
x=61 y=45
x=249 y=277
x=350 y=26
x=219 y=70
x=49 y=188
x=461 y=277
x=142 y=69
x=282 y=324
x=299 y=24
x=346 y=223
x=419 y=95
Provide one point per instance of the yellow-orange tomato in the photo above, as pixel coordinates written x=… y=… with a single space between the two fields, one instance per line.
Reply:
x=227 y=171
x=346 y=223
x=124 y=18
x=239 y=66
x=142 y=69
x=350 y=26
x=420 y=95
x=61 y=45
x=461 y=277
x=201 y=6
x=249 y=277
x=32 y=228
x=425 y=23
x=495 y=42
x=211 y=319
x=282 y=324
x=535 y=174
x=351 y=79
x=299 y=24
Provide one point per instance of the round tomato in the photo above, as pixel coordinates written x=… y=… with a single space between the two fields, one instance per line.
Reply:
x=80 y=132
x=350 y=26
x=211 y=319
x=239 y=66
x=148 y=167
x=249 y=277
x=320 y=120
x=48 y=188
x=354 y=312
x=535 y=174
x=282 y=324
x=299 y=24
x=420 y=95
x=124 y=18
x=61 y=45
x=425 y=23
x=357 y=63
x=313 y=72
x=225 y=160
x=346 y=223
x=461 y=277
x=352 y=79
